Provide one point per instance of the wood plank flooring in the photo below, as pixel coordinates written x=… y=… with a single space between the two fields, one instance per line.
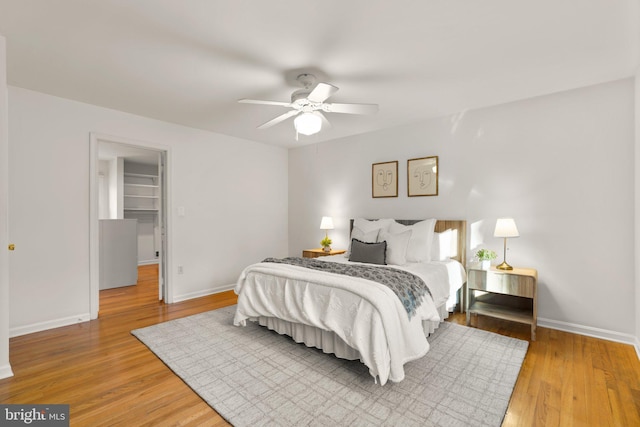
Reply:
x=570 y=380
x=110 y=378
x=106 y=375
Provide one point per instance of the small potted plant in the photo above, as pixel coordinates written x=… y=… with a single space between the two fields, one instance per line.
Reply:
x=326 y=244
x=484 y=256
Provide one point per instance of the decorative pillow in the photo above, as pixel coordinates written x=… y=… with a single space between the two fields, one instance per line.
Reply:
x=373 y=253
x=419 y=249
x=368 y=237
x=442 y=246
x=396 y=246
x=367 y=230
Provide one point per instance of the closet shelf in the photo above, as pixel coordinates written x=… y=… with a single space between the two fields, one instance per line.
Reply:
x=128 y=184
x=140 y=175
x=142 y=193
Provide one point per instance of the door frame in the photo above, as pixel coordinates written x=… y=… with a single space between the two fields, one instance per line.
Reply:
x=5 y=363
x=94 y=235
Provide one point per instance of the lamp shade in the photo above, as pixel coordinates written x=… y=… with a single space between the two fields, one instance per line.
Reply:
x=326 y=223
x=307 y=123
x=506 y=227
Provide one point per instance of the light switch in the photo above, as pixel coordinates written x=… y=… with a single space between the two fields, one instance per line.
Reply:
x=181 y=211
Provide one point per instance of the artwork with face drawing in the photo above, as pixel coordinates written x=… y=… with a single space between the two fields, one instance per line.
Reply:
x=422 y=176
x=384 y=179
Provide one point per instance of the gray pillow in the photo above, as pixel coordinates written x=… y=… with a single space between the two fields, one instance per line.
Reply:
x=373 y=253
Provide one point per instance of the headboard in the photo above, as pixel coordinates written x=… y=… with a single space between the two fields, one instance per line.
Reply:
x=458 y=226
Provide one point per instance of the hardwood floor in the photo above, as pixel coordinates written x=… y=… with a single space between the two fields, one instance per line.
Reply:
x=570 y=380
x=109 y=378
x=106 y=375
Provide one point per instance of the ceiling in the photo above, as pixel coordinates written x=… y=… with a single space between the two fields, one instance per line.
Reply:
x=189 y=61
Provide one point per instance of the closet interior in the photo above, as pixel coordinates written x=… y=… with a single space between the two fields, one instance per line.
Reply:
x=130 y=192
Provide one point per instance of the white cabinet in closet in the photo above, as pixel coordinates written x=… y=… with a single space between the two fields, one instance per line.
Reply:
x=141 y=192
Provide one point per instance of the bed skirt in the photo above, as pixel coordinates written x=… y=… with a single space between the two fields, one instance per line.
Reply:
x=328 y=341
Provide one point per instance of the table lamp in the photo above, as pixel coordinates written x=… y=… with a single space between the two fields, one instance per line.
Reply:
x=505 y=227
x=326 y=224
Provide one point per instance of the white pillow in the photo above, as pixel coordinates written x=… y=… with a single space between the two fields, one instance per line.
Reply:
x=396 y=246
x=442 y=245
x=367 y=237
x=419 y=249
x=367 y=225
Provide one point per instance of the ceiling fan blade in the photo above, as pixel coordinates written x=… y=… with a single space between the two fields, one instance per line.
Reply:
x=351 y=108
x=325 y=122
x=278 y=119
x=258 y=101
x=321 y=92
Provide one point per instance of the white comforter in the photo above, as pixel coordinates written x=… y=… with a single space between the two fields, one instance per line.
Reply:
x=366 y=315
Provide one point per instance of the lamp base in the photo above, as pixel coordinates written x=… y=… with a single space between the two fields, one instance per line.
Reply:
x=504 y=266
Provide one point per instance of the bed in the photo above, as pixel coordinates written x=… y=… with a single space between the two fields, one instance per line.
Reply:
x=356 y=318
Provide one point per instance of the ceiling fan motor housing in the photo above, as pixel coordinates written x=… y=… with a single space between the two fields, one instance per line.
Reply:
x=299 y=97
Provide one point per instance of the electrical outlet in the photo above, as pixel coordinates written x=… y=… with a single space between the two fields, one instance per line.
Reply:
x=180 y=269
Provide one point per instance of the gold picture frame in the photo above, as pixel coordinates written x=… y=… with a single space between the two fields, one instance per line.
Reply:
x=384 y=179
x=422 y=176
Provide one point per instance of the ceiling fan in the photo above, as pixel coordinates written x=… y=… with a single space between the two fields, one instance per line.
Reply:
x=308 y=106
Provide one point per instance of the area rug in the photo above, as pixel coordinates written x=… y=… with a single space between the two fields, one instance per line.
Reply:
x=252 y=376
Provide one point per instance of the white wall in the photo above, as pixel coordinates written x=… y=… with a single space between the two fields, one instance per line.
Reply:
x=5 y=367
x=637 y=206
x=116 y=188
x=234 y=193
x=103 y=189
x=637 y=212
x=561 y=165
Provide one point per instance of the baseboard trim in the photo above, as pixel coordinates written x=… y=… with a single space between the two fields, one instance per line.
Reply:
x=591 y=332
x=50 y=324
x=5 y=371
x=203 y=293
x=72 y=320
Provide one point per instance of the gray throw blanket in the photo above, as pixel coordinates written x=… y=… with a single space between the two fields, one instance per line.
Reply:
x=407 y=286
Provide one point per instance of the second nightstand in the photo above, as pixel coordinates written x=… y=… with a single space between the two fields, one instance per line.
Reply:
x=315 y=253
x=504 y=294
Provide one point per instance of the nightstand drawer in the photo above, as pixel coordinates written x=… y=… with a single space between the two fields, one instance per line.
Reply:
x=502 y=283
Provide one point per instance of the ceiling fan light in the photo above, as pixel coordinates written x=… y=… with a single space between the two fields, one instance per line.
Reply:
x=308 y=123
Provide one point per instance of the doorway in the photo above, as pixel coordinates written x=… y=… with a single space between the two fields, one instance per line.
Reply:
x=128 y=186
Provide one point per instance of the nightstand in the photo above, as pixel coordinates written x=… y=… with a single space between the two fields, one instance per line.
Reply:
x=504 y=294
x=315 y=253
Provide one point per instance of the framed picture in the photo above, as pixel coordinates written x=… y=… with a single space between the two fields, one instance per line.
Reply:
x=422 y=176
x=384 y=179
